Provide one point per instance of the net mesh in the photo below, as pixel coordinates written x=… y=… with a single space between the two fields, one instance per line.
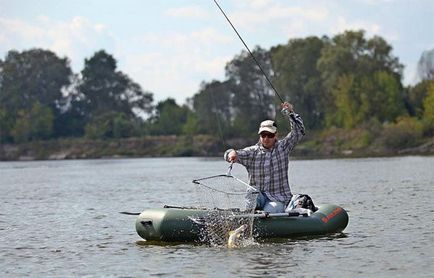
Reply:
x=230 y=204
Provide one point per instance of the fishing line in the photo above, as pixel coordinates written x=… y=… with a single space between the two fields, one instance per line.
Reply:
x=250 y=52
x=284 y=111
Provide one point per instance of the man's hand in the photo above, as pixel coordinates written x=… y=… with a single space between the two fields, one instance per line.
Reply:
x=232 y=156
x=287 y=108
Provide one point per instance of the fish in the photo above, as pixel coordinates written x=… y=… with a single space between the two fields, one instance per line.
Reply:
x=235 y=235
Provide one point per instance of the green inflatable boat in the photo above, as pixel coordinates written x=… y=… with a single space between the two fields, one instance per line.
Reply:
x=186 y=225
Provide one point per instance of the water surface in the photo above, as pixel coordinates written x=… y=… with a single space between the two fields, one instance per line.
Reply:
x=60 y=218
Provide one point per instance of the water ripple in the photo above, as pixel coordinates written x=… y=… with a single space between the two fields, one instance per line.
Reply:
x=60 y=218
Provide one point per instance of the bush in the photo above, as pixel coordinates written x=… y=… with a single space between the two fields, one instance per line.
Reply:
x=123 y=128
x=35 y=124
x=428 y=114
x=111 y=125
x=407 y=132
x=341 y=138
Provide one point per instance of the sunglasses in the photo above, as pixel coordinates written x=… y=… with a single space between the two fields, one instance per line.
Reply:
x=268 y=135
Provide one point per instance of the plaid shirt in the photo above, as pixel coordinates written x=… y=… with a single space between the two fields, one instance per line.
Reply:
x=268 y=168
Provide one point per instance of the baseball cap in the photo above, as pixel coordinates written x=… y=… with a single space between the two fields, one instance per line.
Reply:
x=267 y=125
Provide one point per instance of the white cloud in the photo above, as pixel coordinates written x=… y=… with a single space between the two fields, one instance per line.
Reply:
x=188 y=12
x=176 y=63
x=76 y=38
x=173 y=63
x=376 y=2
x=176 y=40
x=343 y=24
x=18 y=29
x=260 y=3
x=210 y=36
x=293 y=29
x=253 y=16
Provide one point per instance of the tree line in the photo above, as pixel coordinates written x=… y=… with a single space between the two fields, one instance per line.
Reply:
x=345 y=82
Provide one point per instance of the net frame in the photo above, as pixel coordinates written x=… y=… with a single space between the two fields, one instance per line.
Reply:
x=229 y=187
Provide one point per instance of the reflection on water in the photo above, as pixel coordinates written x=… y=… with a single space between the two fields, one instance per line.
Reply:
x=60 y=218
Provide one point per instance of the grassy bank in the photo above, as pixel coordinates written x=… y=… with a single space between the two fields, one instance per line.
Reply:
x=81 y=148
x=335 y=143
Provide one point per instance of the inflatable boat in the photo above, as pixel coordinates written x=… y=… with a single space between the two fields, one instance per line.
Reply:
x=187 y=225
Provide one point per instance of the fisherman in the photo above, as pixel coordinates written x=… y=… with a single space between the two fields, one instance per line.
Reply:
x=267 y=162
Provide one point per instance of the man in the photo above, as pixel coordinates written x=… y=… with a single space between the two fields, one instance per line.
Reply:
x=267 y=162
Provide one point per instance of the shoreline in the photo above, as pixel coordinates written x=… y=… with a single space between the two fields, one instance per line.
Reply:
x=182 y=146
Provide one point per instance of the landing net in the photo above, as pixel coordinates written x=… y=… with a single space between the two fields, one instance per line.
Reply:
x=230 y=204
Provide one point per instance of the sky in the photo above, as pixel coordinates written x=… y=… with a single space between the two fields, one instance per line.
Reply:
x=170 y=47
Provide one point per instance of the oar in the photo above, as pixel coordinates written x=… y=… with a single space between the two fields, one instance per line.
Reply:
x=165 y=206
x=129 y=213
x=268 y=215
x=201 y=220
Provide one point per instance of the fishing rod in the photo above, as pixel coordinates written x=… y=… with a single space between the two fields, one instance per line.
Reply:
x=250 y=52
x=284 y=110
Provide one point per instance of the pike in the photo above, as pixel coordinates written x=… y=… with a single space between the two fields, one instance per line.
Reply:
x=235 y=236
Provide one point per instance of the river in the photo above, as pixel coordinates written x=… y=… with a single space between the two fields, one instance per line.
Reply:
x=61 y=218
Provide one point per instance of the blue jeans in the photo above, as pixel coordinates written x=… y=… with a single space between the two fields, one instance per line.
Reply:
x=265 y=204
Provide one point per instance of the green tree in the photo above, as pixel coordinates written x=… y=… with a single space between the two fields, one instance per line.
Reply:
x=103 y=89
x=359 y=99
x=428 y=113
x=33 y=125
x=345 y=115
x=124 y=127
x=170 y=118
x=111 y=125
x=191 y=126
x=33 y=75
x=29 y=77
x=386 y=100
x=212 y=107
x=253 y=98
x=376 y=75
x=298 y=79
x=425 y=66
x=72 y=119
x=416 y=97
x=6 y=125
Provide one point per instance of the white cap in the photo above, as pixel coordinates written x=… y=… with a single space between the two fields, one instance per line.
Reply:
x=268 y=126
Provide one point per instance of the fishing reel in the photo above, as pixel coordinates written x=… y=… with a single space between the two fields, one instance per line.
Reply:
x=285 y=111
